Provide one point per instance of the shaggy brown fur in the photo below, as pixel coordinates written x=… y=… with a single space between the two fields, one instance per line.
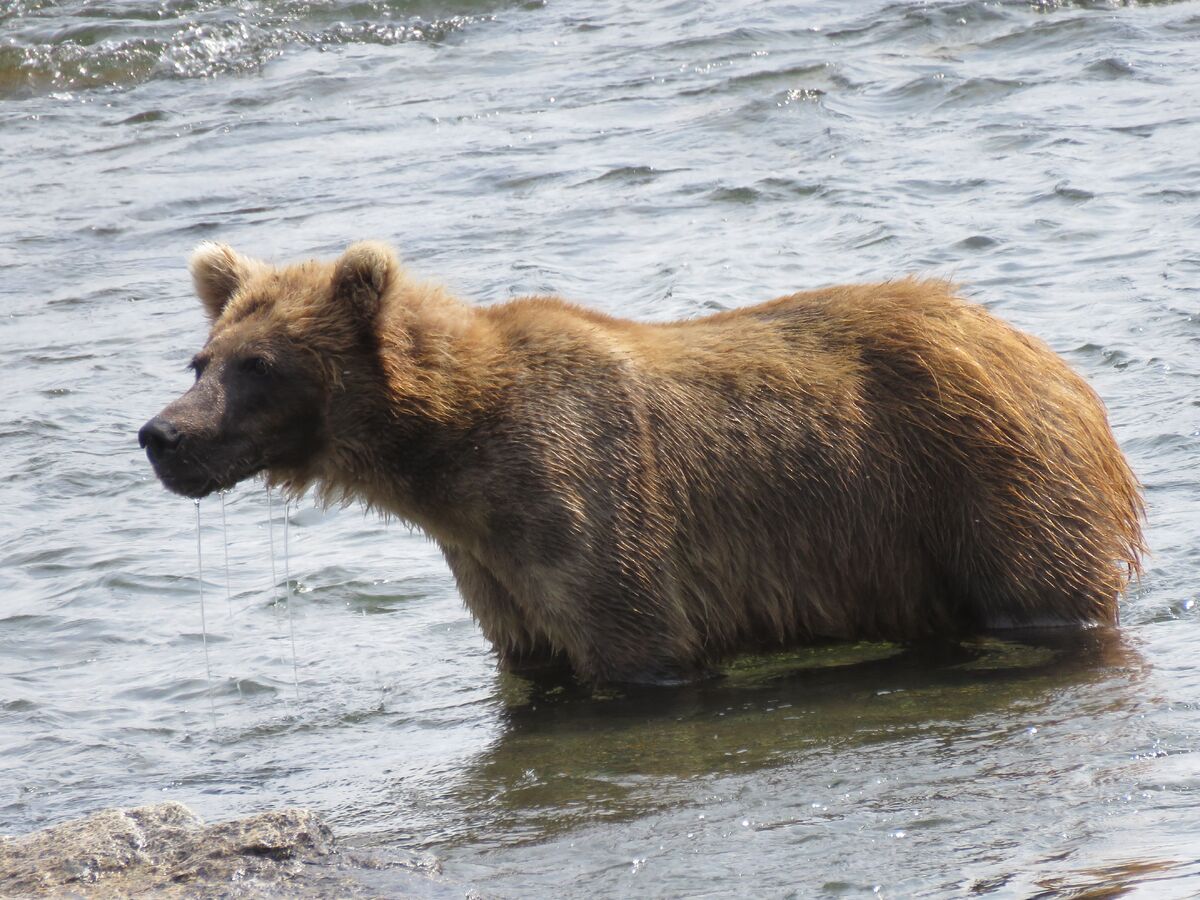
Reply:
x=878 y=461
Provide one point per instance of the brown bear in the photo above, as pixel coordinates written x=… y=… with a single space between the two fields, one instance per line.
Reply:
x=638 y=501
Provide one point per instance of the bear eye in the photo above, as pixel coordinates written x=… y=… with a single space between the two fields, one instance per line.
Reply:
x=256 y=365
x=198 y=365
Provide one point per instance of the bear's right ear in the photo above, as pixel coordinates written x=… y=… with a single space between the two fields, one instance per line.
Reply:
x=362 y=275
x=218 y=272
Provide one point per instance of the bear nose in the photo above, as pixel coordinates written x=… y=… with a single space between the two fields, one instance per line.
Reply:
x=159 y=437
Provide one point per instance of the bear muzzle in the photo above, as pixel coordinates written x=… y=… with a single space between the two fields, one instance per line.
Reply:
x=159 y=438
x=176 y=468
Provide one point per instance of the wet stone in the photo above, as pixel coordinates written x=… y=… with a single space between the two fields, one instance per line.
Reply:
x=168 y=851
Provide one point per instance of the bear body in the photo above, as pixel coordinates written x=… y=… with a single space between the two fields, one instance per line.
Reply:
x=639 y=501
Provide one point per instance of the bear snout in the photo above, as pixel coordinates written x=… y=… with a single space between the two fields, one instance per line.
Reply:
x=159 y=438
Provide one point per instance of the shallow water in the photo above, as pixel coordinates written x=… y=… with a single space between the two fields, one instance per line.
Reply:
x=653 y=160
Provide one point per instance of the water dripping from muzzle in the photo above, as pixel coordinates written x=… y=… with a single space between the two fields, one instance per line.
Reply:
x=271 y=539
x=225 y=541
x=287 y=591
x=228 y=589
x=212 y=709
x=287 y=583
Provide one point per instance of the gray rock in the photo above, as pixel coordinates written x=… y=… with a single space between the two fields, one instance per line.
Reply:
x=166 y=850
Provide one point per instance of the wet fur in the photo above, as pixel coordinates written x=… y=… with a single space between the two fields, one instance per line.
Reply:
x=882 y=461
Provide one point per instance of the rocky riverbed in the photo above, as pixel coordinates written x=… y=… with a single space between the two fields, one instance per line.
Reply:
x=168 y=851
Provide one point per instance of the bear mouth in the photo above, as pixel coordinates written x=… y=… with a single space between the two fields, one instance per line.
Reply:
x=198 y=482
x=193 y=485
x=192 y=489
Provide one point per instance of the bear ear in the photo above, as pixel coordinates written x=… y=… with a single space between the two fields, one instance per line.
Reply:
x=218 y=272
x=362 y=275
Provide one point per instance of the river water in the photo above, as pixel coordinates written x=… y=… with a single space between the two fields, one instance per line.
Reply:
x=654 y=160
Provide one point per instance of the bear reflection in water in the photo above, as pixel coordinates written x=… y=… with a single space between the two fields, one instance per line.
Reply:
x=638 y=501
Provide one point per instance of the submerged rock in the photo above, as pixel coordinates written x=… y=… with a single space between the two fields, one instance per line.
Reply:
x=167 y=850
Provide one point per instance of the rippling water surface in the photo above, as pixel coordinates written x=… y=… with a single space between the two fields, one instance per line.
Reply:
x=653 y=160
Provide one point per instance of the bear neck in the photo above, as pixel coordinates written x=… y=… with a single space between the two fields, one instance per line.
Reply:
x=399 y=437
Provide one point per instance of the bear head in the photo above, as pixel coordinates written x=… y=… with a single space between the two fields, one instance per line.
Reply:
x=271 y=379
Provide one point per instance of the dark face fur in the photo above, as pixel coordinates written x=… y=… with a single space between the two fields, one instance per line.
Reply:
x=250 y=409
x=262 y=393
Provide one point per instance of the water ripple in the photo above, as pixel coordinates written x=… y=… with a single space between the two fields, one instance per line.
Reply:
x=656 y=160
x=118 y=44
